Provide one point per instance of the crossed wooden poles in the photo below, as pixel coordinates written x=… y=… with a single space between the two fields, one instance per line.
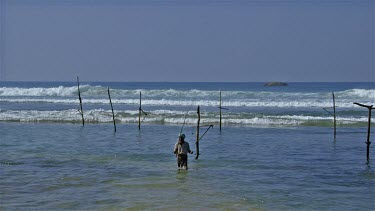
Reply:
x=369 y=107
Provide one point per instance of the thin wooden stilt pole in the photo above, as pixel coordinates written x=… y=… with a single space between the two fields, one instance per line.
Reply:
x=220 y=111
x=113 y=114
x=334 y=115
x=80 y=103
x=368 y=135
x=209 y=127
x=140 y=110
x=368 y=128
x=197 y=141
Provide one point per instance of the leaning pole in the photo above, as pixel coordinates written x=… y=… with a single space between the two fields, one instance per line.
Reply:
x=369 y=107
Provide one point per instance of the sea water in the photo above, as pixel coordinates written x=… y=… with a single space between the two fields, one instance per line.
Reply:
x=276 y=149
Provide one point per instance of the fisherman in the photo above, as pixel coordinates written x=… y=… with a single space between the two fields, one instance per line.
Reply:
x=181 y=149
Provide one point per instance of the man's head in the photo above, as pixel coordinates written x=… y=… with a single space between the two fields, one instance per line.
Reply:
x=181 y=138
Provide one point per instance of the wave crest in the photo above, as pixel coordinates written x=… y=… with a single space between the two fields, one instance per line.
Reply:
x=88 y=91
x=174 y=117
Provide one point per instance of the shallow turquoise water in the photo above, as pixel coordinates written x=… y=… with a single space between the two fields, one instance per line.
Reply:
x=66 y=166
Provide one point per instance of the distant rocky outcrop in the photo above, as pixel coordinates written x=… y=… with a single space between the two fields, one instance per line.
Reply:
x=275 y=84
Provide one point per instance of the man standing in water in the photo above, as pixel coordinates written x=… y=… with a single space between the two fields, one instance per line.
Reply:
x=181 y=149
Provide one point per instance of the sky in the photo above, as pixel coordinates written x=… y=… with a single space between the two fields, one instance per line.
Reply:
x=187 y=41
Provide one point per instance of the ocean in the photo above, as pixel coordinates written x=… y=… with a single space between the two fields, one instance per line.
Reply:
x=276 y=150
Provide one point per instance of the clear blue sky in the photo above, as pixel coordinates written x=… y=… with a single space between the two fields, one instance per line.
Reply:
x=165 y=40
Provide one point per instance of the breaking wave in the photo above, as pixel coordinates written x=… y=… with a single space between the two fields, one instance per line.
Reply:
x=89 y=91
x=168 y=106
x=174 y=117
x=212 y=103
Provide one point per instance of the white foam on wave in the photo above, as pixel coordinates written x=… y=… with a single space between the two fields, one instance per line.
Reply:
x=36 y=116
x=362 y=93
x=319 y=118
x=208 y=103
x=55 y=91
x=165 y=116
x=88 y=91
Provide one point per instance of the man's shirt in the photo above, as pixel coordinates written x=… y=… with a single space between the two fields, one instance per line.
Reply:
x=182 y=149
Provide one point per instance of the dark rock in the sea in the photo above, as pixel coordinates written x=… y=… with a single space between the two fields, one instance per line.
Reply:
x=275 y=84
